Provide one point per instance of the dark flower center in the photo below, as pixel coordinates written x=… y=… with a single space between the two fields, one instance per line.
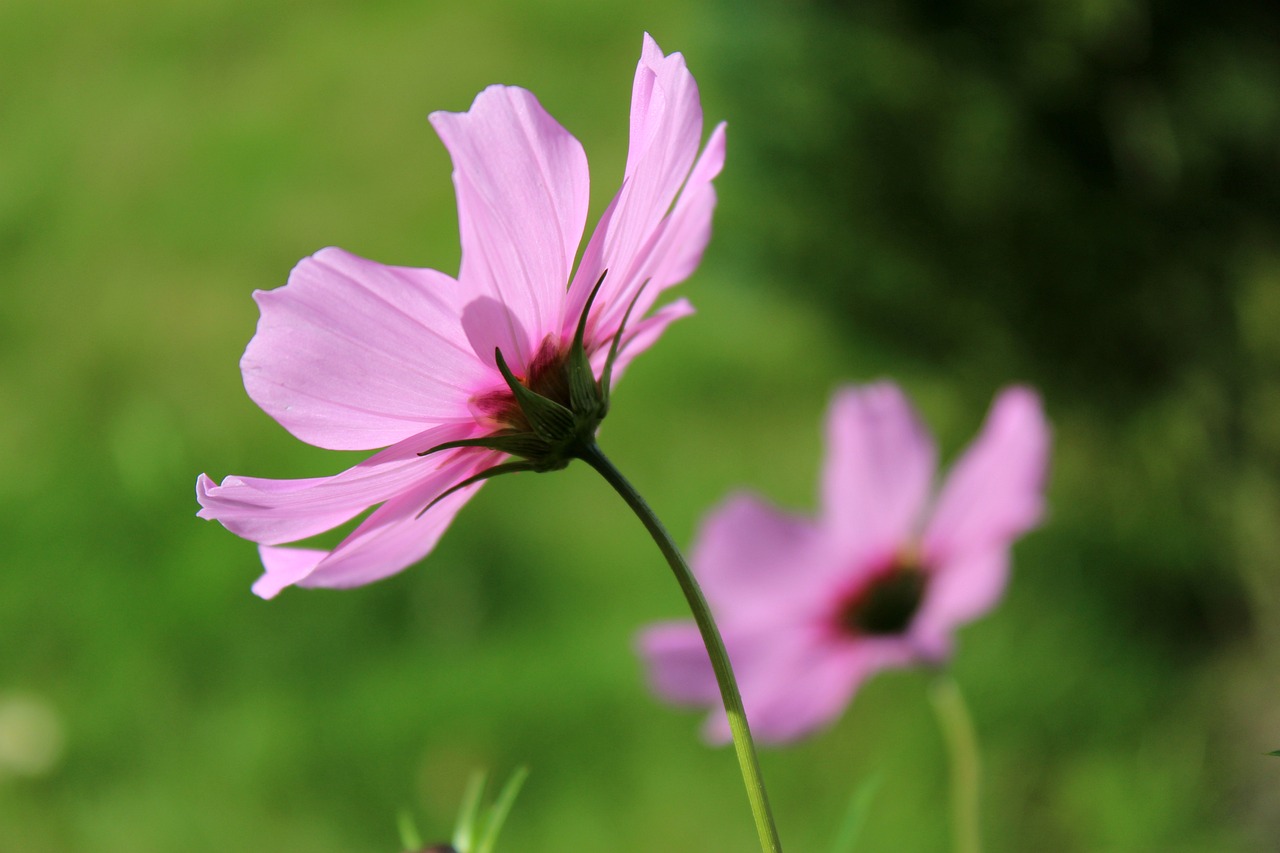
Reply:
x=887 y=604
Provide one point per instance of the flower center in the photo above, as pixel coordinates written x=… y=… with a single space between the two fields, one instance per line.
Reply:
x=547 y=377
x=887 y=604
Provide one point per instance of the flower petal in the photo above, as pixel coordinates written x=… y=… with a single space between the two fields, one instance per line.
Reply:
x=639 y=336
x=960 y=590
x=793 y=680
x=687 y=230
x=275 y=511
x=795 y=683
x=678 y=666
x=757 y=565
x=877 y=474
x=394 y=537
x=523 y=191
x=284 y=567
x=996 y=491
x=666 y=126
x=353 y=355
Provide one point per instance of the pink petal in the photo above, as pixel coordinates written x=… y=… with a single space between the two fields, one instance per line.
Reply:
x=640 y=335
x=878 y=471
x=688 y=229
x=996 y=491
x=758 y=566
x=523 y=190
x=710 y=162
x=394 y=537
x=794 y=680
x=276 y=511
x=666 y=126
x=284 y=567
x=675 y=247
x=590 y=269
x=959 y=591
x=352 y=354
x=790 y=696
x=678 y=666
x=793 y=683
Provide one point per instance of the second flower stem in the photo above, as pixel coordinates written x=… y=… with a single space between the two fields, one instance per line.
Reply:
x=742 y=742
x=966 y=771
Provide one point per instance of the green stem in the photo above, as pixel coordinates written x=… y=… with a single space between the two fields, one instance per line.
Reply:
x=742 y=743
x=966 y=770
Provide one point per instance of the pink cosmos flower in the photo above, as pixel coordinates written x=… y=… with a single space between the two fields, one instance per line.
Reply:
x=809 y=608
x=351 y=354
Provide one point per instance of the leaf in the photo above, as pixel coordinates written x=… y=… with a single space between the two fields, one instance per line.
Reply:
x=855 y=816
x=470 y=812
x=409 y=837
x=501 y=808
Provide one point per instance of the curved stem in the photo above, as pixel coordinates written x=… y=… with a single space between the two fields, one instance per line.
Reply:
x=966 y=770
x=742 y=742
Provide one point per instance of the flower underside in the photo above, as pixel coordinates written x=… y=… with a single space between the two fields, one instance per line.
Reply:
x=887 y=604
x=547 y=377
x=549 y=416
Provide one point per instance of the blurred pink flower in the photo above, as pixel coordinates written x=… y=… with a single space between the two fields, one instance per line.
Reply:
x=809 y=608
x=352 y=355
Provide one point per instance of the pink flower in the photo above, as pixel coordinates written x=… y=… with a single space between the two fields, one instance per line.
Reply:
x=883 y=577
x=354 y=355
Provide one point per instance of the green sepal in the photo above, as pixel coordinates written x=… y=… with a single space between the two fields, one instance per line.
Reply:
x=486 y=474
x=548 y=419
x=584 y=391
x=523 y=444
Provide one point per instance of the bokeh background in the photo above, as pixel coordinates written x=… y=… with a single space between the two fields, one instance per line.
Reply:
x=1079 y=194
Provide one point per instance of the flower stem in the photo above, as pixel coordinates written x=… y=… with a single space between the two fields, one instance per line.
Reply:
x=962 y=747
x=742 y=742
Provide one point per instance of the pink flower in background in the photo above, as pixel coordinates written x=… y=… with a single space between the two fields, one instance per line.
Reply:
x=352 y=355
x=883 y=577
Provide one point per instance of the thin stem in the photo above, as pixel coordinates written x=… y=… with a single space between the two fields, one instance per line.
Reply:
x=966 y=769
x=742 y=742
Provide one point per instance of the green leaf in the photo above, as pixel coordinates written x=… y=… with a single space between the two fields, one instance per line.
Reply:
x=409 y=837
x=855 y=816
x=501 y=808
x=1276 y=753
x=465 y=831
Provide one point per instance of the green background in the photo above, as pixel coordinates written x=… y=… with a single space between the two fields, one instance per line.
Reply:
x=1079 y=194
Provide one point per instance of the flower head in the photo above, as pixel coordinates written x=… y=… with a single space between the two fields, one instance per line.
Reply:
x=809 y=608
x=352 y=355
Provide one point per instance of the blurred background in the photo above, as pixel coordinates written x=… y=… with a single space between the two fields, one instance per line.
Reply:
x=1078 y=194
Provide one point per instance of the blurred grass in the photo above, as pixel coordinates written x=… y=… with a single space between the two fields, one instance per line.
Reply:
x=158 y=162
